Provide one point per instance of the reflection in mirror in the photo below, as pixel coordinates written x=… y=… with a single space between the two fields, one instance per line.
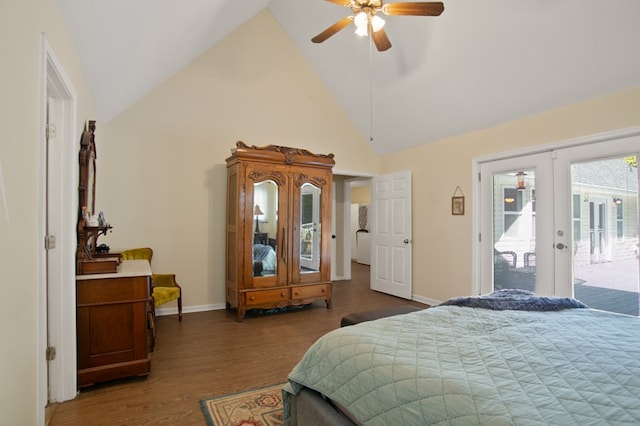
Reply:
x=91 y=187
x=265 y=228
x=309 y=228
x=87 y=184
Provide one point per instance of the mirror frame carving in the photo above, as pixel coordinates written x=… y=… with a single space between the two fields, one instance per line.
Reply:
x=87 y=234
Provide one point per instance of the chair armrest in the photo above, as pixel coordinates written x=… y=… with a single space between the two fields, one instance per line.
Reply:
x=164 y=280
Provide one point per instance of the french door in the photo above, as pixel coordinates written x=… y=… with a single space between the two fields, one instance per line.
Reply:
x=564 y=222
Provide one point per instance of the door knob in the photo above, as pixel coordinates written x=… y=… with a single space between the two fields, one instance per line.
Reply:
x=407 y=241
x=560 y=246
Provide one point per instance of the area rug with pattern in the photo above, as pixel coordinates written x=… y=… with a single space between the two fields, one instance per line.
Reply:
x=255 y=407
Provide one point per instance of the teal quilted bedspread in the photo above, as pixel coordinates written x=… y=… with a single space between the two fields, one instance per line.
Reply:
x=455 y=365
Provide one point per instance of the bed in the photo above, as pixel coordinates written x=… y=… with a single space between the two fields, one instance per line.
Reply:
x=471 y=361
x=264 y=260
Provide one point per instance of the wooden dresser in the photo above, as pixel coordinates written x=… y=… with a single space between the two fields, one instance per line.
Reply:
x=112 y=332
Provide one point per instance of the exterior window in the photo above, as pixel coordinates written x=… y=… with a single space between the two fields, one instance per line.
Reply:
x=619 y=221
x=512 y=206
x=577 y=235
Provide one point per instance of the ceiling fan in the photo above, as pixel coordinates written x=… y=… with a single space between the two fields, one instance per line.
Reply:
x=367 y=22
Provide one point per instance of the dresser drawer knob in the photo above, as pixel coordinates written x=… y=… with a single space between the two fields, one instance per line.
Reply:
x=282 y=294
x=252 y=298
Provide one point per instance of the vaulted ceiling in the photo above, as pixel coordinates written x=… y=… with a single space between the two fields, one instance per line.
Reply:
x=481 y=63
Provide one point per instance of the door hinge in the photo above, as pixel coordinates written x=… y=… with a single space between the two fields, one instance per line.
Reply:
x=479 y=237
x=479 y=177
x=51 y=353
x=49 y=242
x=51 y=131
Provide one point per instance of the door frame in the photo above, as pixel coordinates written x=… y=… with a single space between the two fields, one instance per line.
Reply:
x=345 y=216
x=476 y=192
x=56 y=301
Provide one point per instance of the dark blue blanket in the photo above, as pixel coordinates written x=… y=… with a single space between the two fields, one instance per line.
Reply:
x=516 y=300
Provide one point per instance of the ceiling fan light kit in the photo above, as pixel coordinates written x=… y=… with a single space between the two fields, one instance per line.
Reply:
x=367 y=22
x=362 y=22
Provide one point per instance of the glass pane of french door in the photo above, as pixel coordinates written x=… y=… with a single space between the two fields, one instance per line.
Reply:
x=605 y=233
x=514 y=230
x=516 y=206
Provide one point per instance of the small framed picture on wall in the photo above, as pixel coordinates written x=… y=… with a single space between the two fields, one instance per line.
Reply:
x=457 y=202
x=457 y=205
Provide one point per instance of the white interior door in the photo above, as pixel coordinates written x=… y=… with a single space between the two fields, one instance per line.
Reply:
x=391 y=246
x=53 y=231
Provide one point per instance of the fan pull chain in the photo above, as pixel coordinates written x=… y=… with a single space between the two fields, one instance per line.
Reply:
x=370 y=89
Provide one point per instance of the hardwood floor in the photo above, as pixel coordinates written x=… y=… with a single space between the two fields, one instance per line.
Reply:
x=210 y=354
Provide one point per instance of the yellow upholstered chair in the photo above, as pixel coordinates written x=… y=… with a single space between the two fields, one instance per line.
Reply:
x=166 y=289
x=164 y=286
x=138 y=253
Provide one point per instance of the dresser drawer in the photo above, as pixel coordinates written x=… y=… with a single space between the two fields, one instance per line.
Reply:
x=309 y=291
x=260 y=297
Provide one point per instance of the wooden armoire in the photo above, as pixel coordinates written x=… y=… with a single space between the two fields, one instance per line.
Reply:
x=278 y=228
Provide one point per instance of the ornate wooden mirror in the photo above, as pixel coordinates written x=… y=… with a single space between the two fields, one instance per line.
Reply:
x=87 y=185
x=88 y=231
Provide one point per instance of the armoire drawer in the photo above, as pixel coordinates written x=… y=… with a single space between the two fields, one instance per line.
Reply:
x=307 y=291
x=261 y=297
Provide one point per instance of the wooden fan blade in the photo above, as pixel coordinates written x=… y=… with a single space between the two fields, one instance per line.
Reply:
x=332 y=30
x=340 y=2
x=414 y=9
x=380 y=39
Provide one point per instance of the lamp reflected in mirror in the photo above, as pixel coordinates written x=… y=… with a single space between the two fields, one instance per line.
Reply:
x=258 y=212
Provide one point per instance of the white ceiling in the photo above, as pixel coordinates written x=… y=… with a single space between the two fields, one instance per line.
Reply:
x=481 y=63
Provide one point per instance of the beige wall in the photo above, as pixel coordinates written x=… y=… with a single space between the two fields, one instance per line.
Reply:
x=21 y=25
x=162 y=170
x=442 y=242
